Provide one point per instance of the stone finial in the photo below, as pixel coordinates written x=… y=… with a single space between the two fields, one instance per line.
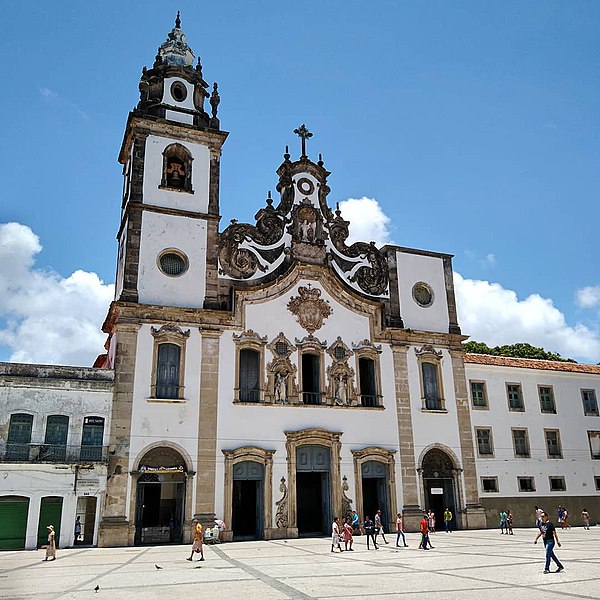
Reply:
x=215 y=99
x=269 y=199
x=177 y=21
x=286 y=156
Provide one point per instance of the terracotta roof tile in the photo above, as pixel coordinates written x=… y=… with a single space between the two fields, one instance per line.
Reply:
x=530 y=363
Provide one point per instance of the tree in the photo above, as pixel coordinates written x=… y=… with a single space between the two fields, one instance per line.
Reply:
x=521 y=350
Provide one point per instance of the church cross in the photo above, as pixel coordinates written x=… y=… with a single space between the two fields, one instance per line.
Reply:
x=305 y=134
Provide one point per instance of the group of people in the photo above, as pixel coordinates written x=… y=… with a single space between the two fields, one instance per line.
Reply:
x=506 y=520
x=371 y=527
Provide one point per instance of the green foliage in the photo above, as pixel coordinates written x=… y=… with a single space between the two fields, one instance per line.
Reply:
x=521 y=350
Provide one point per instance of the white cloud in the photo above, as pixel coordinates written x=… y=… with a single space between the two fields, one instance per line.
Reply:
x=492 y=314
x=51 y=96
x=44 y=317
x=368 y=223
x=47 y=93
x=588 y=297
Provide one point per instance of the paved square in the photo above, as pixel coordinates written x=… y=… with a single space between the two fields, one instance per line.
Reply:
x=464 y=564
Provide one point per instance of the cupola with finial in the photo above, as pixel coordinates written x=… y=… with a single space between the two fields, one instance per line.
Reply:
x=174 y=88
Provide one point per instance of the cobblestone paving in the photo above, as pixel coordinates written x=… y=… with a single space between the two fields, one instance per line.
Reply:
x=462 y=565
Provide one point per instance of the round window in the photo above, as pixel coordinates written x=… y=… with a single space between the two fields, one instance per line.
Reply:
x=172 y=263
x=178 y=91
x=306 y=186
x=422 y=294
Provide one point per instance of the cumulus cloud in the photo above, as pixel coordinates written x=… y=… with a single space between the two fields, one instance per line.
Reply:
x=588 y=297
x=368 y=223
x=492 y=314
x=44 y=317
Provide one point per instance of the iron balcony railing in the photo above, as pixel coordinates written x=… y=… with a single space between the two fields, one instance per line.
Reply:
x=311 y=397
x=370 y=400
x=53 y=453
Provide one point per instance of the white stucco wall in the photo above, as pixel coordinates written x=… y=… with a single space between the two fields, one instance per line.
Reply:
x=414 y=268
x=153 y=165
x=160 y=232
x=576 y=466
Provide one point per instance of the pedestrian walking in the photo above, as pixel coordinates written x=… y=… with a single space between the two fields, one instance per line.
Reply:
x=448 y=520
x=565 y=519
x=198 y=545
x=560 y=511
x=509 y=520
x=585 y=517
x=77 y=529
x=51 y=547
x=431 y=521
x=424 y=529
x=548 y=530
x=400 y=532
x=503 y=522
x=379 y=526
x=347 y=535
x=370 y=532
x=335 y=534
x=355 y=523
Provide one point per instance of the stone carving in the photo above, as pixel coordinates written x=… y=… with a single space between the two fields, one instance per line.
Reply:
x=281 y=514
x=428 y=349
x=281 y=372
x=169 y=328
x=372 y=275
x=243 y=262
x=346 y=502
x=310 y=309
x=249 y=335
x=340 y=376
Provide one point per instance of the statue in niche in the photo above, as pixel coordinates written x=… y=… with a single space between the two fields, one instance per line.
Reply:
x=340 y=394
x=280 y=387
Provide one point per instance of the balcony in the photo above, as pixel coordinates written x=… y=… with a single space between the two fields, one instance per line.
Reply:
x=48 y=453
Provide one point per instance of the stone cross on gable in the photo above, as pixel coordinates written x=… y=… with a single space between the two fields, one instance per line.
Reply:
x=305 y=134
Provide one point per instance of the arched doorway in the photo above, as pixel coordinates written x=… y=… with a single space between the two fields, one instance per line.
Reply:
x=247 y=501
x=375 y=489
x=313 y=490
x=438 y=472
x=160 y=497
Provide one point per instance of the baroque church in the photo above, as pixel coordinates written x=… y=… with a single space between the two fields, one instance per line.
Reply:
x=272 y=374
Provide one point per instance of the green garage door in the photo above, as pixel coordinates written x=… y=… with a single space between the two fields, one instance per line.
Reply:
x=13 y=522
x=50 y=514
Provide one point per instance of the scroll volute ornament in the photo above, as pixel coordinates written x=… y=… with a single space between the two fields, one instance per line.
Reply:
x=310 y=309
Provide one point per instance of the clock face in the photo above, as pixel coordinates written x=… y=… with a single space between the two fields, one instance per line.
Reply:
x=422 y=294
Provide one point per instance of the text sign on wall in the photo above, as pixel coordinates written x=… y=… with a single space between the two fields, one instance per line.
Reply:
x=437 y=491
x=86 y=484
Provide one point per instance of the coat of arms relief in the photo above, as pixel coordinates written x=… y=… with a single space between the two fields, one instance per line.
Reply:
x=310 y=309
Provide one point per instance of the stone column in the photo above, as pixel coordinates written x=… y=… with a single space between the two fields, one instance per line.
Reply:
x=474 y=514
x=114 y=526
x=207 y=427
x=411 y=510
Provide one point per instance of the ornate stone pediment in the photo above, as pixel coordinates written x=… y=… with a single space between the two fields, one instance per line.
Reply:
x=428 y=349
x=169 y=328
x=310 y=309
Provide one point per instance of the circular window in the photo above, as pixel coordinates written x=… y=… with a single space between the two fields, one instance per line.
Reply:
x=306 y=186
x=422 y=294
x=178 y=91
x=172 y=263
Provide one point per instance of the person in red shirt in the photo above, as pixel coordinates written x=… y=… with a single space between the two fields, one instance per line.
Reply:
x=424 y=529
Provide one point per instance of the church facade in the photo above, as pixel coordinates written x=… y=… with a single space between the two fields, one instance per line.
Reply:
x=274 y=374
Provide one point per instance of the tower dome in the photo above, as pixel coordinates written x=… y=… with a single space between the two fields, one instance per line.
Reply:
x=175 y=51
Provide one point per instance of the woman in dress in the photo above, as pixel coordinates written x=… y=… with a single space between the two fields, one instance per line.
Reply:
x=348 y=535
x=51 y=547
x=335 y=534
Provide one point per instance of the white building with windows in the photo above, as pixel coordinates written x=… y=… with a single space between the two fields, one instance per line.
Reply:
x=273 y=375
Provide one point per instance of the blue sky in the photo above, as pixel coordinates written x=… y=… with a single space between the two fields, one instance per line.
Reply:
x=473 y=125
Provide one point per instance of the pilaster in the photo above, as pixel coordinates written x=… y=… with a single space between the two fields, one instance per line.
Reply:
x=410 y=495
x=114 y=526
x=207 y=426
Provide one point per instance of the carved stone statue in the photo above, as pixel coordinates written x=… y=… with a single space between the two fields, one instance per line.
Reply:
x=341 y=390
x=280 y=387
x=281 y=515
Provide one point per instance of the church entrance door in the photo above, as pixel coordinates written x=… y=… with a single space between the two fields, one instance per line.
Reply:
x=160 y=498
x=247 y=501
x=313 y=490
x=375 y=490
x=439 y=485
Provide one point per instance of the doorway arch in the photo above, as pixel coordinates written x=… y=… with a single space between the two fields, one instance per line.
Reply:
x=160 y=496
x=440 y=482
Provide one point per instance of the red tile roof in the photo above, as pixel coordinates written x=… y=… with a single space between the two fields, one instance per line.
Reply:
x=531 y=363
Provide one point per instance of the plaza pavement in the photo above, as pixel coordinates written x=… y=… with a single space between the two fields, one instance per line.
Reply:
x=463 y=565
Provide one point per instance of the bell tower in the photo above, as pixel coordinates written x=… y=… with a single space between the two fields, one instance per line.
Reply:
x=170 y=154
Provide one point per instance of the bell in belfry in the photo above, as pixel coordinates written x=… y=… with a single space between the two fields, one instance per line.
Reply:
x=175 y=174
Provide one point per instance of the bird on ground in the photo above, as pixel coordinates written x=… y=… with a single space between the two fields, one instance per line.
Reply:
x=158 y=567
x=97 y=588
